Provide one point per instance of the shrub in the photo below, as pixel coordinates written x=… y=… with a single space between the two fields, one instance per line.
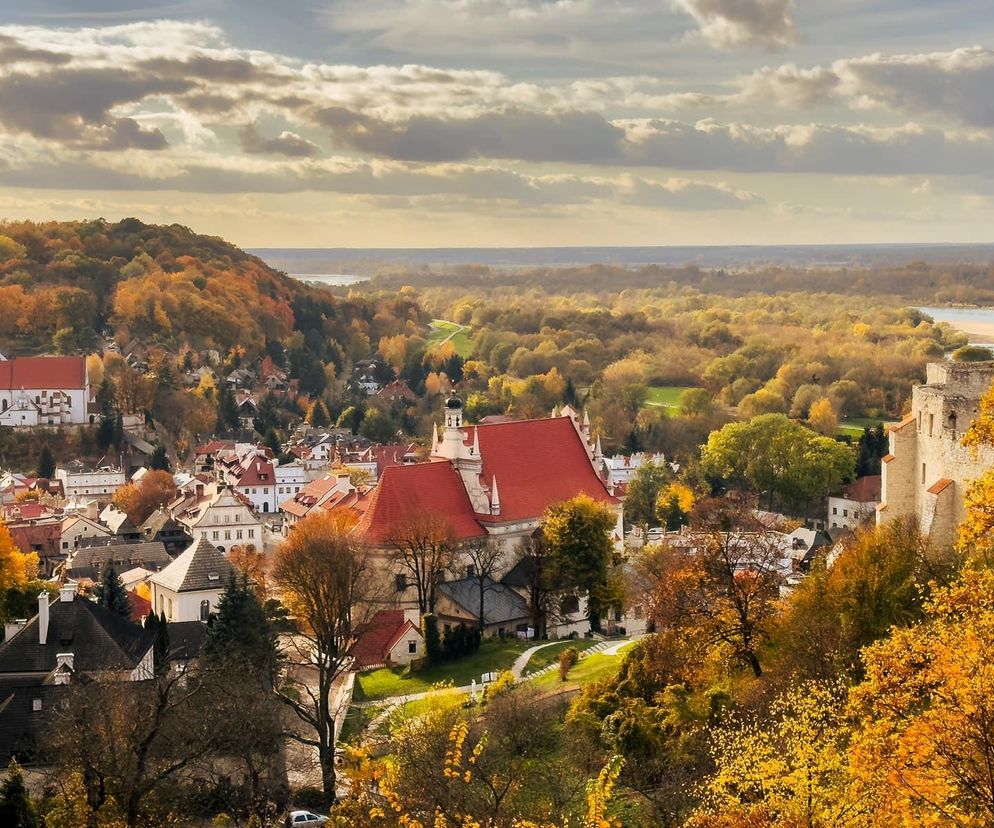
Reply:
x=567 y=661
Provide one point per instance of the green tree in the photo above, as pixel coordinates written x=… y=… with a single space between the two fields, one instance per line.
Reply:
x=378 y=427
x=241 y=632
x=227 y=409
x=778 y=457
x=433 y=641
x=578 y=533
x=159 y=461
x=350 y=418
x=643 y=492
x=16 y=810
x=46 y=463
x=695 y=401
x=110 y=593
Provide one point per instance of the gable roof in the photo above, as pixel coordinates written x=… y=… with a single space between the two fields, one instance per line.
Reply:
x=375 y=639
x=88 y=561
x=49 y=373
x=501 y=604
x=864 y=490
x=98 y=638
x=201 y=567
x=537 y=463
x=409 y=491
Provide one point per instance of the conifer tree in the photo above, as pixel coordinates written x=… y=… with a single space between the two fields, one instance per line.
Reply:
x=16 y=810
x=46 y=463
x=241 y=631
x=159 y=461
x=227 y=409
x=110 y=593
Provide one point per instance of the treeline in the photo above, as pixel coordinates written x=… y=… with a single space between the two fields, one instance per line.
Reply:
x=919 y=281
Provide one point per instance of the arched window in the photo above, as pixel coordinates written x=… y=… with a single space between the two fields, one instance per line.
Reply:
x=169 y=603
x=205 y=610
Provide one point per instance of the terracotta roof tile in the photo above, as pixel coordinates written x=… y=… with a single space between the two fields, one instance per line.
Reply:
x=43 y=373
x=537 y=463
x=375 y=639
x=425 y=489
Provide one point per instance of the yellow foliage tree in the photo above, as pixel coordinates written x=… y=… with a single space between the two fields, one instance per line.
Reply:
x=791 y=769
x=822 y=417
x=976 y=532
x=16 y=567
x=927 y=736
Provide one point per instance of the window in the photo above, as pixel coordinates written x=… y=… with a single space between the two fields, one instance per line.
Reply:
x=227 y=534
x=931 y=424
x=251 y=533
x=470 y=570
x=238 y=534
x=570 y=604
x=845 y=513
x=205 y=610
x=169 y=607
x=923 y=473
x=36 y=705
x=835 y=510
x=412 y=646
x=400 y=582
x=215 y=535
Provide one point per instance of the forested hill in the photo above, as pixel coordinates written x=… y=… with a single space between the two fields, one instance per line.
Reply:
x=63 y=284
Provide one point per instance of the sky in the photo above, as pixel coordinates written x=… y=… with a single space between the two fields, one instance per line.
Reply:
x=451 y=123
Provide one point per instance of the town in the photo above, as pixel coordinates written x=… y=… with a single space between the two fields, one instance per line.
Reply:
x=356 y=579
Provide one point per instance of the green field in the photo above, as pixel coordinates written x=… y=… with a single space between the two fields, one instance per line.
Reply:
x=665 y=396
x=442 y=330
x=853 y=426
x=399 y=681
x=589 y=669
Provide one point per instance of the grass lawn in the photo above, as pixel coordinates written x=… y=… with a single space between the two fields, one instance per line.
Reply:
x=853 y=426
x=357 y=720
x=550 y=655
x=441 y=330
x=589 y=669
x=665 y=396
x=399 y=681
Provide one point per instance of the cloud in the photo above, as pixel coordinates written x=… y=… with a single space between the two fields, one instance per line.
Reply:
x=286 y=143
x=959 y=83
x=683 y=194
x=578 y=137
x=726 y=24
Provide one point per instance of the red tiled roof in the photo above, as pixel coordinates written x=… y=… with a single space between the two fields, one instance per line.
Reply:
x=864 y=490
x=377 y=637
x=940 y=486
x=140 y=607
x=405 y=492
x=215 y=446
x=259 y=472
x=537 y=463
x=392 y=455
x=905 y=422
x=43 y=373
x=397 y=388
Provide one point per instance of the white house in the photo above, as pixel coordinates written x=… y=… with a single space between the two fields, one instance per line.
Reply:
x=220 y=515
x=855 y=503
x=81 y=481
x=43 y=391
x=190 y=587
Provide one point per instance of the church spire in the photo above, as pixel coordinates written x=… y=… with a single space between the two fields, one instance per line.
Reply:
x=475 y=451
x=494 y=497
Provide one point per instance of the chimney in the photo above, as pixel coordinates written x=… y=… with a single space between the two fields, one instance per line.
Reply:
x=63 y=668
x=43 y=618
x=12 y=628
x=67 y=591
x=200 y=491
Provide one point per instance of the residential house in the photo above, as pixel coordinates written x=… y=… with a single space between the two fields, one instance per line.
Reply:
x=505 y=611
x=190 y=587
x=89 y=562
x=162 y=527
x=68 y=638
x=218 y=514
x=397 y=390
x=79 y=480
x=75 y=527
x=327 y=492
x=855 y=503
x=391 y=637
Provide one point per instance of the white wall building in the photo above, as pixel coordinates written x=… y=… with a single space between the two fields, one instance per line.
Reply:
x=79 y=481
x=43 y=391
x=190 y=588
x=221 y=516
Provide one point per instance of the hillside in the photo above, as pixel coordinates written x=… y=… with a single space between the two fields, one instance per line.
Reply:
x=64 y=283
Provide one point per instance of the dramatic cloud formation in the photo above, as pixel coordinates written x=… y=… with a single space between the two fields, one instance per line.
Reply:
x=175 y=106
x=730 y=23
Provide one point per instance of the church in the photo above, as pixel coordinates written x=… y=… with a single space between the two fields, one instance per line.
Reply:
x=492 y=480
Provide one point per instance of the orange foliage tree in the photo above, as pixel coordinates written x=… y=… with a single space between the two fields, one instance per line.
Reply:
x=139 y=501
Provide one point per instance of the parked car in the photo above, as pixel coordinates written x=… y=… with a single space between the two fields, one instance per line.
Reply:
x=306 y=819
